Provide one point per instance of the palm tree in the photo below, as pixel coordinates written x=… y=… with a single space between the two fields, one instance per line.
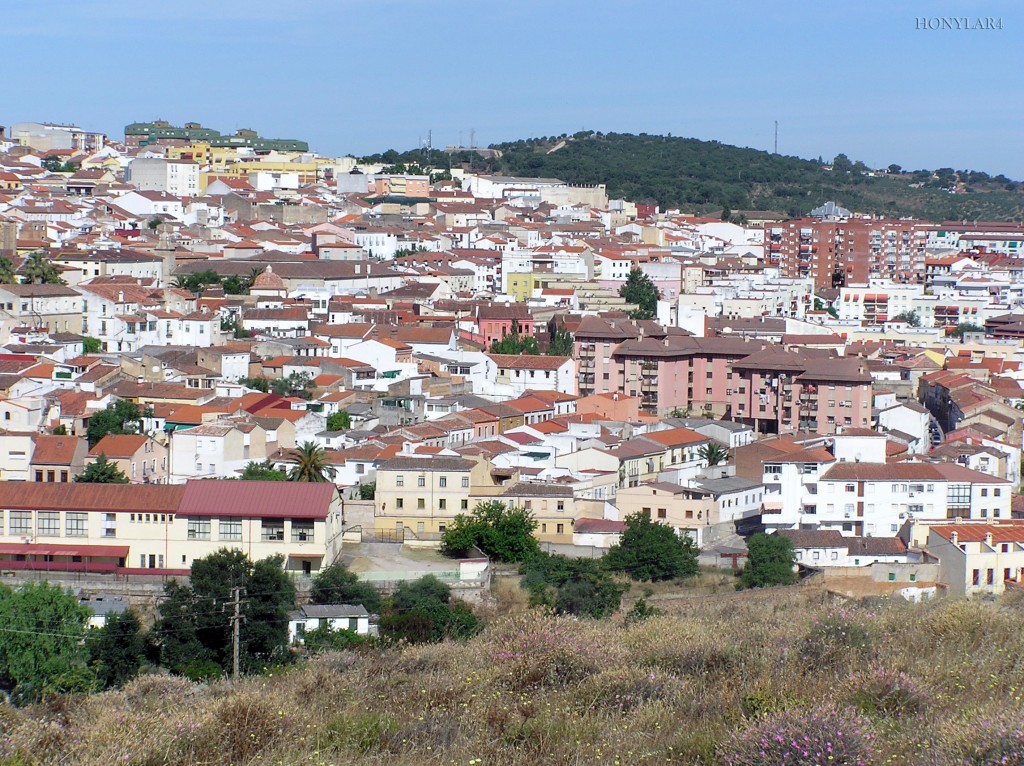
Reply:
x=37 y=270
x=7 y=276
x=311 y=464
x=713 y=453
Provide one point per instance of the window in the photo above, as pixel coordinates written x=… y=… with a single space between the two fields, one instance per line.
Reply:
x=990 y=576
x=442 y=504
x=996 y=492
x=421 y=503
x=976 y=577
x=198 y=529
x=464 y=505
x=76 y=524
x=421 y=481
x=302 y=530
x=109 y=525
x=420 y=527
x=465 y=482
x=21 y=522
x=984 y=491
x=39 y=475
x=399 y=481
x=442 y=482
x=662 y=513
x=851 y=488
x=48 y=524
x=230 y=529
x=272 y=530
x=560 y=529
x=400 y=503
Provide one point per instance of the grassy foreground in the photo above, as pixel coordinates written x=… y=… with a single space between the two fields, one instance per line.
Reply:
x=778 y=678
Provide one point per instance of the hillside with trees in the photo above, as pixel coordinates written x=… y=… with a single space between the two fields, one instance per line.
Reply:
x=708 y=176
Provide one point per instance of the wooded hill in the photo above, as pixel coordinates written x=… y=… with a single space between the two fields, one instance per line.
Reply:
x=708 y=176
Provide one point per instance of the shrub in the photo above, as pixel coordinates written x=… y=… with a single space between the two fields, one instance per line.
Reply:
x=884 y=692
x=829 y=735
x=996 y=741
x=543 y=651
x=835 y=636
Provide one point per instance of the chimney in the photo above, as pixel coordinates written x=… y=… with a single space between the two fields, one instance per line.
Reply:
x=988 y=539
x=120 y=296
x=954 y=537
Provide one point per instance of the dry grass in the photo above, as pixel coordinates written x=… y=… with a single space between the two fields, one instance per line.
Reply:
x=534 y=690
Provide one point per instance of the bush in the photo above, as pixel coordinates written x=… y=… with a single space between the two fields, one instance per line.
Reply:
x=651 y=551
x=886 y=693
x=770 y=561
x=571 y=586
x=835 y=636
x=499 y=531
x=997 y=741
x=823 y=735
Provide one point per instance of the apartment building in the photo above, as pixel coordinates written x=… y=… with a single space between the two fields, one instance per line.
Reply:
x=122 y=527
x=978 y=559
x=421 y=496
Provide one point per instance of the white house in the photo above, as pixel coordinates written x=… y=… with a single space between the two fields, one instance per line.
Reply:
x=334 y=616
x=179 y=178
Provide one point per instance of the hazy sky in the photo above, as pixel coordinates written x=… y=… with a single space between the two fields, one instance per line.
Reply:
x=854 y=77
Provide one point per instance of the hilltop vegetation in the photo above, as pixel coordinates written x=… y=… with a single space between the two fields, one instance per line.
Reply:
x=734 y=680
x=705 y=176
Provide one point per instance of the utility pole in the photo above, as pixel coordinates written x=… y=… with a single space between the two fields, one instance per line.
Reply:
x=776 y=136
x=236 y=620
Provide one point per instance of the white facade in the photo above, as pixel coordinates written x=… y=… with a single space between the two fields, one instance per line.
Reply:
x=179 y=178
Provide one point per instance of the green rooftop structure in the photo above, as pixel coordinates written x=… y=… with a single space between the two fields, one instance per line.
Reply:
x=162 y=133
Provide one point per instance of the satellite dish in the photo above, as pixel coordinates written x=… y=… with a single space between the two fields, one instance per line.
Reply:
x=156 y=368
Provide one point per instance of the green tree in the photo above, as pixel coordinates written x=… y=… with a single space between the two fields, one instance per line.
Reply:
x=713 y=453
x=39 y=270
x=515 y=343
x=501 y=532
x=770 y=561
x=642 y=292
x=120 y=417
x=651 y=551
x=339 y=421
x=966 y=327
x=368 y=491
x=297 y=384
x=311 y=464
x=842 y=164
x=580 y=587
x=184 y=646
x=117 y=650
x=326 y=639
x=336 y=584
x=561 y=343
x=102 y=471
x=257 y=384
x=423 y=610
x=7 y=275
x=42 y=649
x=91 y=345
x=61 y=430
x=193 y=632
x=263 y=471
x=912 y=318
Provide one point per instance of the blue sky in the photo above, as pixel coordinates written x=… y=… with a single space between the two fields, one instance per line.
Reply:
x=359 y=77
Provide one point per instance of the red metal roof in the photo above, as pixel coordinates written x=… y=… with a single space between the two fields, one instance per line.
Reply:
x=257 y=499
x=45 y=549
x=162 y=498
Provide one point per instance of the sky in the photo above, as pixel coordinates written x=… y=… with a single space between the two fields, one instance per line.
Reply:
x=363 y=76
